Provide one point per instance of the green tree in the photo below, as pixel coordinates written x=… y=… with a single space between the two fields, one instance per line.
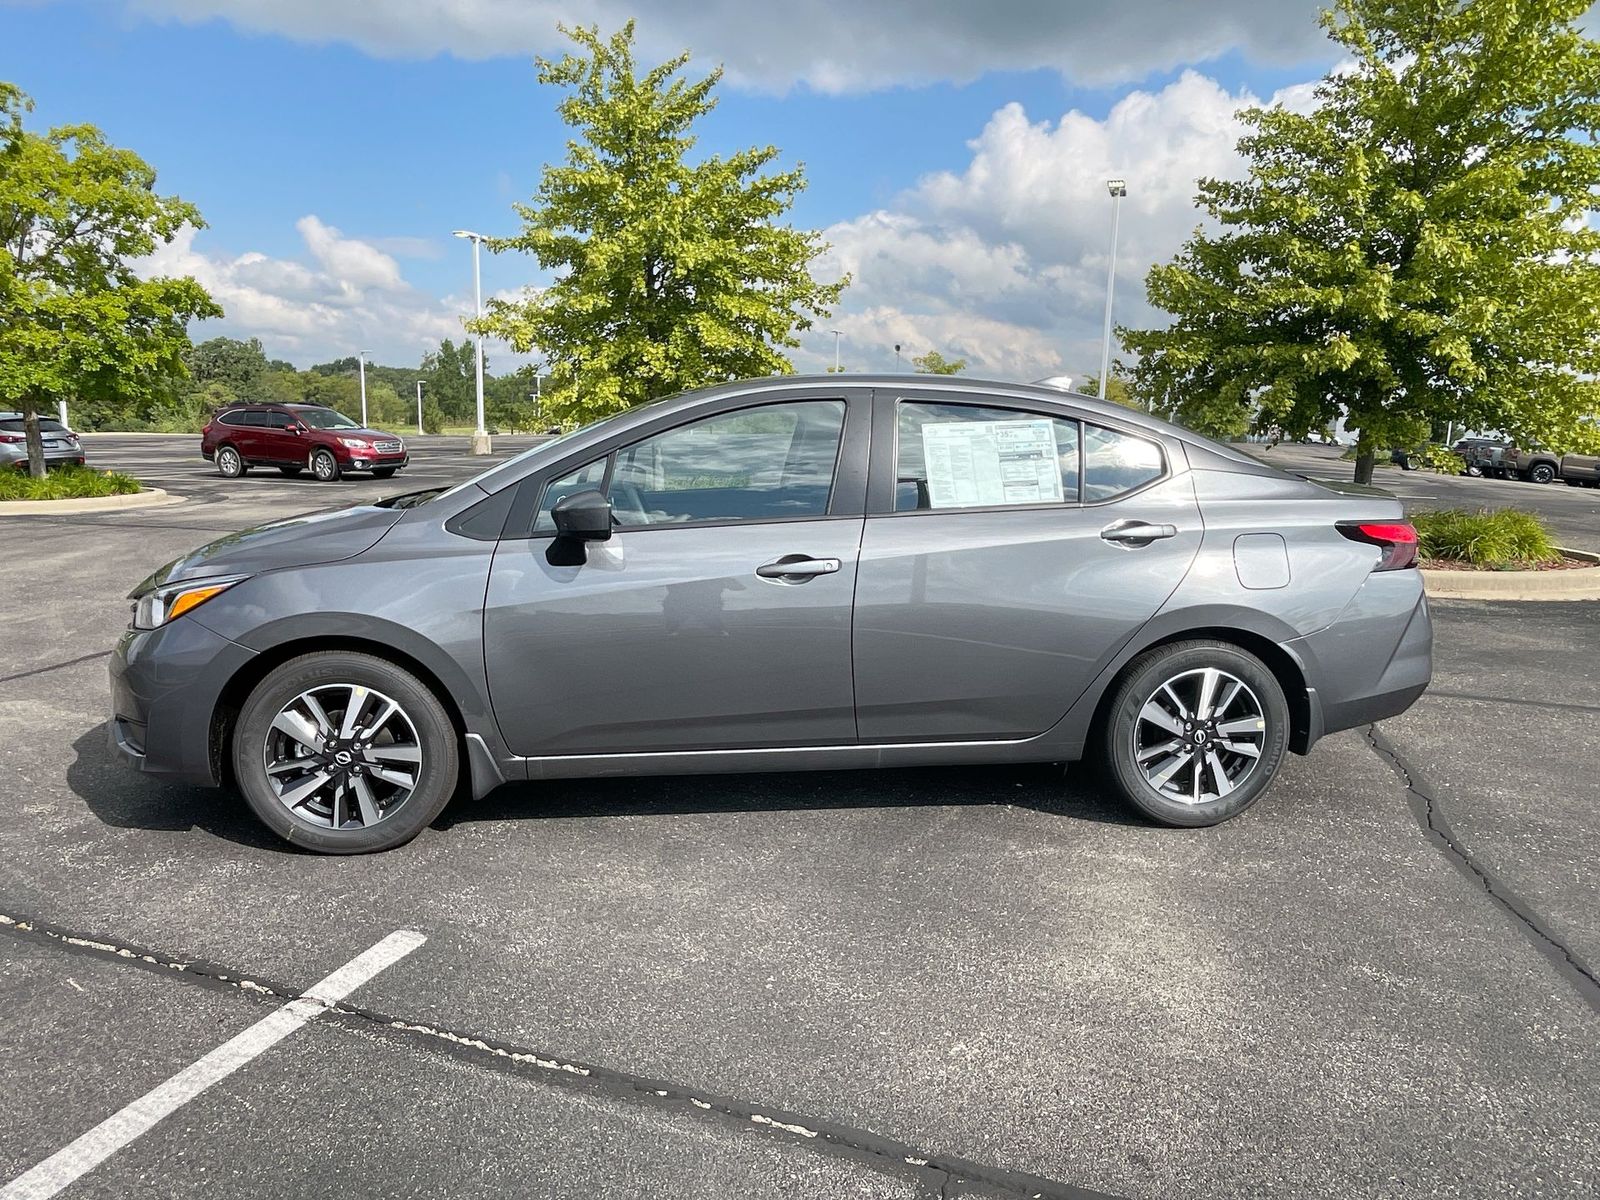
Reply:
x=669 y=275
x=1120 y=392
x=450 y=379
x=238 y=364
x=75 y=318
x=934 y=363
x=1418 y=247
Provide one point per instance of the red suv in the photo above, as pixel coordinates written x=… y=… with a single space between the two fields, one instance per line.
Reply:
x=294 y=437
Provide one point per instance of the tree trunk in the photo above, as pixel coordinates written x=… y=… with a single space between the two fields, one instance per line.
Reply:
x=30 y=427
x=1366 y=458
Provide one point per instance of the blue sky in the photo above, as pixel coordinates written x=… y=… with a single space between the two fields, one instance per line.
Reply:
x=962 y=201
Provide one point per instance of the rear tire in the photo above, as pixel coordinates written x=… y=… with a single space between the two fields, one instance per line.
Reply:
x=325 y=466
x=363 y=804
x=230 y=465
x=1179 y=763
x=1542 y=473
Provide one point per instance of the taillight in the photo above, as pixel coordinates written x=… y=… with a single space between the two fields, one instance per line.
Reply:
x=1397 y=540
x=13 y=438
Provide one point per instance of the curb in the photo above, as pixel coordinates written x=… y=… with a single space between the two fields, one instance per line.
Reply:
x=148 y=498
x=1578 y=583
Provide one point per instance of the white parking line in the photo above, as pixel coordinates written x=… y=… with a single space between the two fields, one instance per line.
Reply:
x=117 y=1130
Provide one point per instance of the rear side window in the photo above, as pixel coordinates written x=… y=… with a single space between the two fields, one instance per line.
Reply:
x=968 y=456
x=1115 y=463
x=237 y=417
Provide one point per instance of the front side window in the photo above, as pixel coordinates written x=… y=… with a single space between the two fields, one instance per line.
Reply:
x=968 y=456
x=755 y=464
x=585 y=478
x=1114 y=463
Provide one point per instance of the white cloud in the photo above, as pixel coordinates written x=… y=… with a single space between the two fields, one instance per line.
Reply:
x=347 y=295
x=1004 y=263
x=830 y=45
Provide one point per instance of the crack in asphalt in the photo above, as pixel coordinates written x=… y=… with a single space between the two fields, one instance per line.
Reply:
x=71 y=662
x=1424 y=805
x=934 y=1175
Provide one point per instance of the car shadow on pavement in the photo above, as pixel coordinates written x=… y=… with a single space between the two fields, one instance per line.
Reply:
x=1040 y=786
x=125 y=799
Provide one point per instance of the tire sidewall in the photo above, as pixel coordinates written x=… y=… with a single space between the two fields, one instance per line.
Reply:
x=1542 y=474
x=1144 y=676
x=325 y=456
x=441 y=761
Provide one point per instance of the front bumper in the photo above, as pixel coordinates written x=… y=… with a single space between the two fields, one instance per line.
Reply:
x=165 y=688
x=367 y=462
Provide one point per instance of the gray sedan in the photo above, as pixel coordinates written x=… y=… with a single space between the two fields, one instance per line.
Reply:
x=785 y=574
x=61 y=445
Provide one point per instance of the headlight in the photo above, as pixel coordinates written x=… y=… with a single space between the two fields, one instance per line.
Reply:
x=156 y=606
x=355 y=443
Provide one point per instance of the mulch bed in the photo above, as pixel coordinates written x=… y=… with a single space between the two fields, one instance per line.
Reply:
x=1447 y=564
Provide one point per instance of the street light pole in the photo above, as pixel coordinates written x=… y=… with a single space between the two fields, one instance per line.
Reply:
x=1118 y=189
x=480 y=438
x=419 y=406
x=836 y=336
x=361 y=365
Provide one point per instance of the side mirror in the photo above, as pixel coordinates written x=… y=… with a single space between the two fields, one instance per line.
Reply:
x=583 y=516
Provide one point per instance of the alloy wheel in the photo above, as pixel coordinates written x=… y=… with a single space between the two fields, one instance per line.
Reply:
x=1199 y=735
x=228 y=461
x=342 y=756
x=323 y=466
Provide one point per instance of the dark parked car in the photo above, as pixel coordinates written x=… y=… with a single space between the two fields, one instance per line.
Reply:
x=61 y=445
x=1482 y=456
x=784 y=574
x=296 y=437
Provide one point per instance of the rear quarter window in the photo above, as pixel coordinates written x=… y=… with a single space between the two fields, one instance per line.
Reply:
x=1116 y=463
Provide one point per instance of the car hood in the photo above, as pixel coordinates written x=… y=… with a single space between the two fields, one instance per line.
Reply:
x=372 y=435
x=297 y=542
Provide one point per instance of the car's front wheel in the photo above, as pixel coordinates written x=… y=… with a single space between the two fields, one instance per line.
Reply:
x=325 y=466
x=344 y=753
x=1195 y=732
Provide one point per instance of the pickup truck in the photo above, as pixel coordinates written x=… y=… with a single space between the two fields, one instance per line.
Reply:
x=1545 y=466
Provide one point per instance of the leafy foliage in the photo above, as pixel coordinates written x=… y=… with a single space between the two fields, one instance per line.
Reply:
x=1418 y=247
x=670 y=275
x=75 y=318
x=1120 y=392
x=1440 y=459
x=934 y=363
x=65 y=483
x=1506 y=537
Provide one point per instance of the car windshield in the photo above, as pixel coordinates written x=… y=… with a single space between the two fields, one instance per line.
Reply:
x=325 y=418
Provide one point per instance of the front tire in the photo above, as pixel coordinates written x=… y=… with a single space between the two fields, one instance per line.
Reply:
x=344 y=753
x=230 y=465
x=325 y=466
x=1195 y=732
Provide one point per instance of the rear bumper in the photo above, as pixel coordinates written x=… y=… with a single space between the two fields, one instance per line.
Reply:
x=165 y=685
x=1374 y=661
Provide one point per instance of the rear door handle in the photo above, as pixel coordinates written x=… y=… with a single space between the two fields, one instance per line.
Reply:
x=1137 y=533
x=797 y=568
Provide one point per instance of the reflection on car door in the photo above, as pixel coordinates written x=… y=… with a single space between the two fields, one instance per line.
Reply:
x=718 y=614
x=991 y=591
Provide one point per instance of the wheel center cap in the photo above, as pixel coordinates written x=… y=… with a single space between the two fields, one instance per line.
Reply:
x=1199 y=737
x=343 y=758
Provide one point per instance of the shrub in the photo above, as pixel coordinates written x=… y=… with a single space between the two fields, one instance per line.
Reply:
x=1438 y=458
x=1506 y=537
x=65 y=483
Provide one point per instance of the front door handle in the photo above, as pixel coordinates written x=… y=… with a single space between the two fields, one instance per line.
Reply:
x=1137 y=533
x=797 y=568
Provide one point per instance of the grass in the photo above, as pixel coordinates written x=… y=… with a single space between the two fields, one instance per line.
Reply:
x=65 y=483
x=1505 y=538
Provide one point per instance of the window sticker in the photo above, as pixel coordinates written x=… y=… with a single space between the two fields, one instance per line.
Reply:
x=974 y=463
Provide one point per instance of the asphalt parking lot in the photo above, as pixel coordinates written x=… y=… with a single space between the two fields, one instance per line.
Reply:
x=1381 y=981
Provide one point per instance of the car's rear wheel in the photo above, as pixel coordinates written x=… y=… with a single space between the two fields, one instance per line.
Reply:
x=229 y=464
x=291 y=472
x=383 y=472
x=325 y=466
x=344 y=753
x=1542 y=473
x=1195 y=732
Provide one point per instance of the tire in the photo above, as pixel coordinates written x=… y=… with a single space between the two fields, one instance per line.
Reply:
x=365 y=794
x=1475 y=472
x=229 y=463
x=383 y=472
x=324 y=466
x=291 y=472
x=1542 y=473
x=1183 y=668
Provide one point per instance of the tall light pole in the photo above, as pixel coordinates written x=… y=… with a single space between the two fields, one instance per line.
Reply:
x=480 y=439
x=361 y=365
x=836 y=336
x=1118 y=189
x=419 y=406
